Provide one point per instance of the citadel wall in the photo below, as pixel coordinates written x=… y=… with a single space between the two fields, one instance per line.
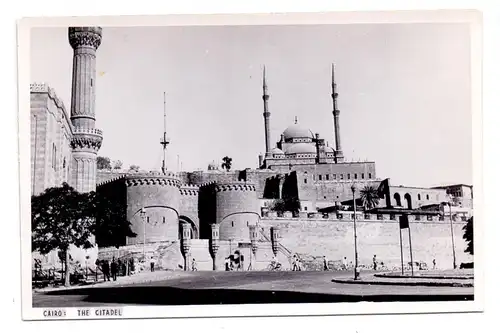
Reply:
x=313 y=238
x=159 y=197
x=237 y=208
x=188 y=207
x=335 y=240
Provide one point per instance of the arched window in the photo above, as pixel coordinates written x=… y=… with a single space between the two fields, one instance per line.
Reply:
x=408 y=200
x=419 y=198
x=397 y=198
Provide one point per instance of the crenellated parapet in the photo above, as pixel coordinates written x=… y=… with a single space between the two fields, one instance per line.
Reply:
x=236 y=186
x=85 y=37
x=111 y=179
x=189 y=190
x=153 y=178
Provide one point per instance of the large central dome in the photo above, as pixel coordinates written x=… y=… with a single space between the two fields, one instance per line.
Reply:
x=296 y=131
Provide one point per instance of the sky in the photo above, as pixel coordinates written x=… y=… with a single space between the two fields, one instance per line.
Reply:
x=404 y=93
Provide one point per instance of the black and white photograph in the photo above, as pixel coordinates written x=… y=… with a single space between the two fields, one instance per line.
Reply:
x=249 y=161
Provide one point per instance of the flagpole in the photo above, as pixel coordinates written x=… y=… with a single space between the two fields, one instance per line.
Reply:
x=401 y=246
x=411 y=252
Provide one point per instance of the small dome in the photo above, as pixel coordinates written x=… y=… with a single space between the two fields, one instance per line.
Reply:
x=277 y=151
x=213 y=166
x=296 y=131
x=329 y=150
x=301 y=148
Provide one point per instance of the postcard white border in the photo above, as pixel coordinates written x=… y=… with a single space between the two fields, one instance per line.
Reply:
x=474 y=18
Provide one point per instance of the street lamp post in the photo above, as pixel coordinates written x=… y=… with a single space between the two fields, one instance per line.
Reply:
x=356 y=272
x=143 y=217
x=452 y=239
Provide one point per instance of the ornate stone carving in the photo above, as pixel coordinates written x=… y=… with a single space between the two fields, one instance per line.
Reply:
x=85 y=36
x=92 y=142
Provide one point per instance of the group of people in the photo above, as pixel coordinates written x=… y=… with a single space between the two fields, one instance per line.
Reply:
x=111 y=270
x=107 y=268
x=234 y=262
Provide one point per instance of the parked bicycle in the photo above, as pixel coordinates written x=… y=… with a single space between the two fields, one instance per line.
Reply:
x=274 y=266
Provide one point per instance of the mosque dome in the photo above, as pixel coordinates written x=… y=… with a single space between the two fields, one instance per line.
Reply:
x=277 y=151
x=301 y=148
x=296 y=131
x=213 y=166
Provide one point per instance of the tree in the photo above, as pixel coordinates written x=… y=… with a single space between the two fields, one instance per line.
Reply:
x=278 y=206
x=103 y=163
x=290 y=204
x=369 y=197
x=117 y=165
x=226 y=163
x=60 y=217
x=468 y=235
x=134 y=168
x=111 y=225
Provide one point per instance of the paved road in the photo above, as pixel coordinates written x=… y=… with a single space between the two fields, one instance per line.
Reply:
x=244 y=288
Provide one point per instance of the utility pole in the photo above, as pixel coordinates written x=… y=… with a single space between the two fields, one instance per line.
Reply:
x=165 y=141
x=356 y=276
x=452 y=239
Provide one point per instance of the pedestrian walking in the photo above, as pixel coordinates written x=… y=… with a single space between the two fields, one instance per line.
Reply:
x=325 y=263
x=121 y=268
x=294 y=263
x=105 y=270
x=131 y=266
x=97 y=264
x=375 y=262
x=434 y=263
x=152 y=264
x=194 y=266
x=226 y=264
x=114 y=269
x=344 y=263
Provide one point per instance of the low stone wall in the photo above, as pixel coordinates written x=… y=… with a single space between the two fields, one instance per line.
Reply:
x=168 y=255
x=313 y=238
x=335 y=240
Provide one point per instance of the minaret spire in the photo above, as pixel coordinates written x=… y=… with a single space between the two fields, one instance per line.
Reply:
x=87 y=139
x=164 y=141
x=336 y=122
x=267 y=114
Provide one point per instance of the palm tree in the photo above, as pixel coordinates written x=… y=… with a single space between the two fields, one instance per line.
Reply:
x=227 y=162
x=369 y=197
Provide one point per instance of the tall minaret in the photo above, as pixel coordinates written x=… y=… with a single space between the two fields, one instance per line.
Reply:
x=267 y=114
x=339 y=157
x=86 y=140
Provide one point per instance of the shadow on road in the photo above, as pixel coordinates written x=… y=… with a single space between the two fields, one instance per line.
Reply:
x=151 y=295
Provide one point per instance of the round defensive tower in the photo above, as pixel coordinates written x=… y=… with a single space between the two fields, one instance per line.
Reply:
x=237 y=209
x=153 y=201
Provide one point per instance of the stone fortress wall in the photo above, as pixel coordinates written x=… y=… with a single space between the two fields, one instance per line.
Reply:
x=237 y=208
x=312 y=238
x=158 y=196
